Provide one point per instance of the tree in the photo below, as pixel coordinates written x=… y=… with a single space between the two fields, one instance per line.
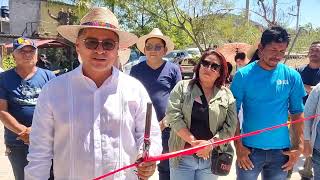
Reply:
x=188 y=16
x=201 y=23
x=270 y=12
x=133 y=17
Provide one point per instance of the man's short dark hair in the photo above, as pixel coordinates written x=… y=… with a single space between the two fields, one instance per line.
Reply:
x=315 y=42
x=240 y=55
x=275 y=34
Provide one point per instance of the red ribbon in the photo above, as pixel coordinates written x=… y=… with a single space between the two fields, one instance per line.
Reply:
x=193 y=150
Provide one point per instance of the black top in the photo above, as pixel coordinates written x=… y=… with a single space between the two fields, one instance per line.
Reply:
x=200 y=127
x=309 y=76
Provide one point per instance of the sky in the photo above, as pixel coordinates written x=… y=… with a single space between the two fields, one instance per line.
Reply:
x=309 y=10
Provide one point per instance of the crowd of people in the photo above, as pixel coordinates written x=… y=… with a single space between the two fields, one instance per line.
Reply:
x=90 y=121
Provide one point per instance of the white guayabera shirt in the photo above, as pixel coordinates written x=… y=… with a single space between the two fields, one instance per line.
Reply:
x=89 y=131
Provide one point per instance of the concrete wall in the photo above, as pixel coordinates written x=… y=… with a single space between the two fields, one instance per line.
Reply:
x=22 y=12
x=27 y=11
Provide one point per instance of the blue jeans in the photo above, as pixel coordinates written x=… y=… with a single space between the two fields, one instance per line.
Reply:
x=17 y=156
x=268 y=162
x=316 y=164
x=163 y=166
x=192 y=168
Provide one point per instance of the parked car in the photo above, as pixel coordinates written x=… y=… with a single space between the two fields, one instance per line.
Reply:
x=177 y=56
x=127 y=67
x=195 y=52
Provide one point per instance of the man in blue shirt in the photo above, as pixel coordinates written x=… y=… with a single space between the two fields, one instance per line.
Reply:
x=267 y=90
x=158 y=77
x=19 y=91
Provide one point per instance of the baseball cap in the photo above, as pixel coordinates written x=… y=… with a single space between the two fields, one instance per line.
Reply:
x=22 y=42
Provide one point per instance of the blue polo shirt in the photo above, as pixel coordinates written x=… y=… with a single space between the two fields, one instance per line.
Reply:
x=158 y=82
x=21 y=96
x=266 y=96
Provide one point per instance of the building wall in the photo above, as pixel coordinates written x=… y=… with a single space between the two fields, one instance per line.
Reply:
x=22 y=12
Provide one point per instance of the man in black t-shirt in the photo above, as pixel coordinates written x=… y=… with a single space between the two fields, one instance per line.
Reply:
x=310 y=75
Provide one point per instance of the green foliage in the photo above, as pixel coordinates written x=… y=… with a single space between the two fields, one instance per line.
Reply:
x=305 y=38
x=230 y=28
x=58 y=58
x=187 y=23
x=8 y=62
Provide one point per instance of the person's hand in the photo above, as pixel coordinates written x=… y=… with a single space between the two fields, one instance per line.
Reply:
x=162 y=125
x=293 y=158
x=146 y=170
x=243 y=159
x=205 y=152
x=24 y=135
x=307 y=148
x=308 y=88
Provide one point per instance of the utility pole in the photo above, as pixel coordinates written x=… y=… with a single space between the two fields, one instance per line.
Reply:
x=274 y=11
x=247 y=10
x=298 y=14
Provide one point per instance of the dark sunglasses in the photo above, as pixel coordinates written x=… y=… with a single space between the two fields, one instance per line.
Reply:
x=150 y=47
x=92 y=43
x=212 y=66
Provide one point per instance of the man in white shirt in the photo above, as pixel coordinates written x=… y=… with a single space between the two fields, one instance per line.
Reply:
x=91 y=121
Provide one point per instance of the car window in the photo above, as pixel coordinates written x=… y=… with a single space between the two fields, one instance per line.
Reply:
x=134 y=55
x=171 y=55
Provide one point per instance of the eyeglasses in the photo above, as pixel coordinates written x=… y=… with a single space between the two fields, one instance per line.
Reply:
x=92 y=43
x=151 y=47
x=212 y=66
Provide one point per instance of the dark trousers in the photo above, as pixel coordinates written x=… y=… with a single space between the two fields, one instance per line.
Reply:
x=17 y=156
x=163 y=166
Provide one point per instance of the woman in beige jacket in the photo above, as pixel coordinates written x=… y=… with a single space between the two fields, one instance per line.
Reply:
x=200 y=110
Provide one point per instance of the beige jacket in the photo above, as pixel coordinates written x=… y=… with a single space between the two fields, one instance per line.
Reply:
x=222 y=113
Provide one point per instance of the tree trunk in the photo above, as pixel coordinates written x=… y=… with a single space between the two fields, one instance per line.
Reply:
x=298 y=14
x=247 y=10
x=274 y=11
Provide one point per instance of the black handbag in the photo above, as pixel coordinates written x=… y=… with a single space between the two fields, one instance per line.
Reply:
x=221 y=162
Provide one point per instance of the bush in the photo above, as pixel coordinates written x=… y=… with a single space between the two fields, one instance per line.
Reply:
x=8 y=62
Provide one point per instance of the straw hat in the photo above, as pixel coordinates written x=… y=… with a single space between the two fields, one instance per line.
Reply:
x=155 y=33
x=124 y=54
x=100 y=18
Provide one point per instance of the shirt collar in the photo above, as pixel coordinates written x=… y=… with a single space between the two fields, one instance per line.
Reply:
x=110 y=80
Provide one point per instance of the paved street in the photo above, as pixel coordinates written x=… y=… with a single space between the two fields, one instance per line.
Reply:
x=5 y=167
x=232 y=175
x=6 y=171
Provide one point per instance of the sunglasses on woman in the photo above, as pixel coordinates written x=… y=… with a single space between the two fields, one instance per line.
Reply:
x=151 y=47
x=212 y=66
x=92 y=43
